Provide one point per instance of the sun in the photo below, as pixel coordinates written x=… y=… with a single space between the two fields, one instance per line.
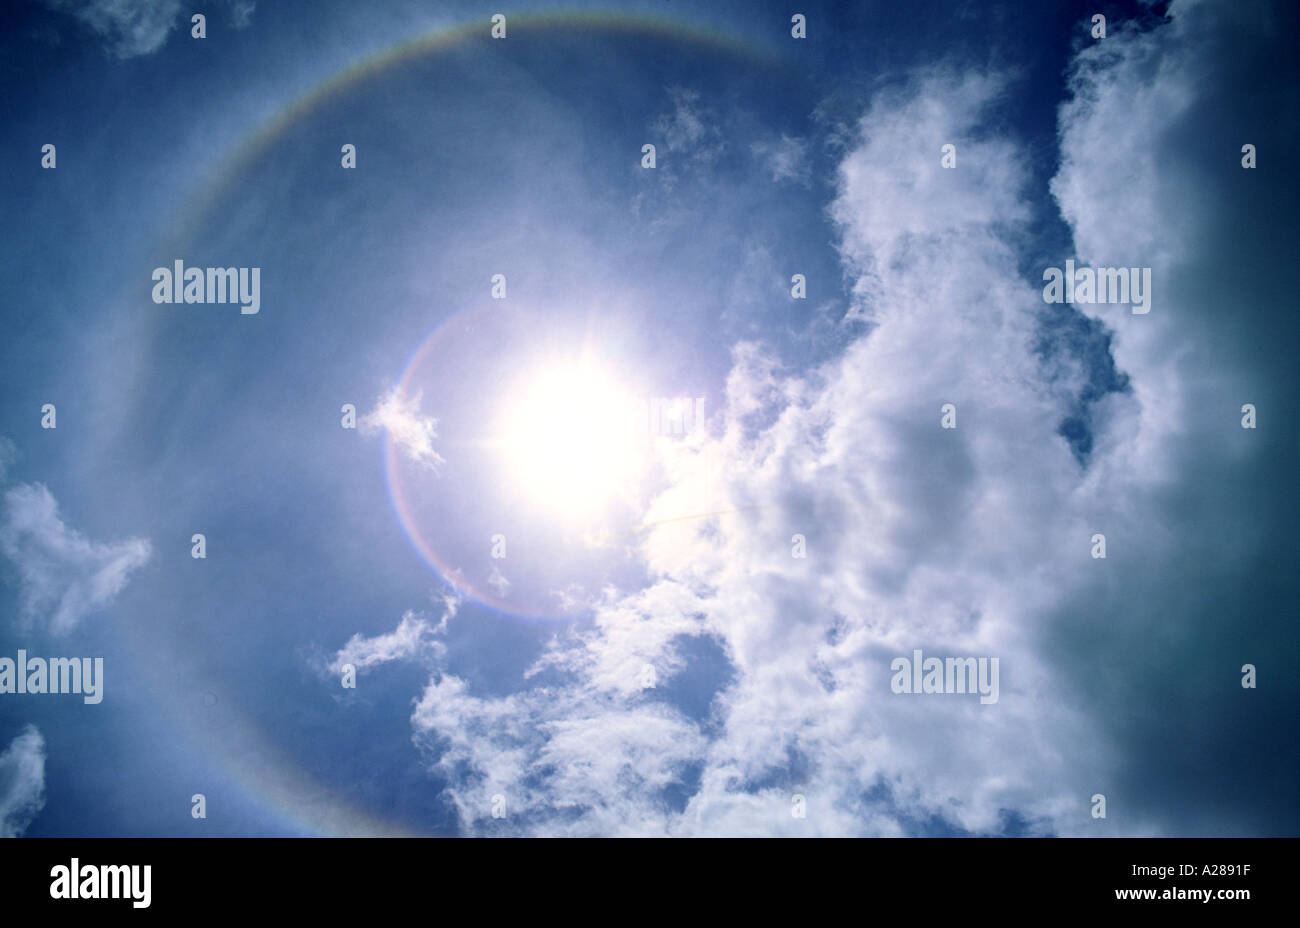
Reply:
x=572 y=440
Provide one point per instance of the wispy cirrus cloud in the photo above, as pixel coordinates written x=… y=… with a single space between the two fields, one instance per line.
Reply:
x=786 y=158
x=22 y=782
x=690 y=128
x=62 y=575
x=132 y=28
x=129 y=28
x=415 y=637
x=412 y=637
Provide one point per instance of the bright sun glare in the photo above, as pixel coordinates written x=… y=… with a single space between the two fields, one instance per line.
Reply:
x=573 y=441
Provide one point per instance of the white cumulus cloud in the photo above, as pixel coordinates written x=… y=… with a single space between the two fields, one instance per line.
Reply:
x=960 y=542
x=399 y=415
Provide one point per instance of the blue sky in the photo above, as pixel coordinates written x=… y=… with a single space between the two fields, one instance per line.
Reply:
x=503 y=552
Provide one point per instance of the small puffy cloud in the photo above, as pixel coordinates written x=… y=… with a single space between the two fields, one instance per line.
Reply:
x=22 y=782
x=399 y=416
x=63 y=576
x=129 y=28
x=411 y=638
